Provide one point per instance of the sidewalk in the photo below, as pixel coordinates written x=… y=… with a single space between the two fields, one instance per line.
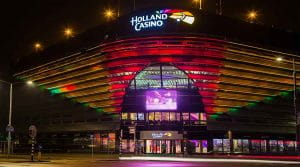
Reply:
x=114 y=157
x=58 y=156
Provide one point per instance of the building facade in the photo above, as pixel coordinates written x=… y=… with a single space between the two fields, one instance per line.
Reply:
x=174 y=81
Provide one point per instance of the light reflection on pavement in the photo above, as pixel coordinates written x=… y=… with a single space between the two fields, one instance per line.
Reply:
x=117 y=163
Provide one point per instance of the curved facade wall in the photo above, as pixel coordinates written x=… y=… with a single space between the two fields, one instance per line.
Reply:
x=229 y=76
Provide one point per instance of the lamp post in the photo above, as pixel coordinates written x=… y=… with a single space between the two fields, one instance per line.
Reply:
x=10 y=112
x=295 y=104
x=294 y=101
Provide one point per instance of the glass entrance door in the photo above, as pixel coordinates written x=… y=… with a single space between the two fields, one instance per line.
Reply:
x=163 y=146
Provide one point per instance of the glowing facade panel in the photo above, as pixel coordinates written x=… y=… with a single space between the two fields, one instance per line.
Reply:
x=227 y=75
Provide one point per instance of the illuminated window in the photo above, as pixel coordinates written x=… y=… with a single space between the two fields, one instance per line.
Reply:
x=124 y=115
x=280 y=146
x=157 y=116
x=289 y=145
x=132 y=116
x=172 y=116
x=111 y=141
x=240 y=145
x=218 y=145
x=226 y=145
x=141 y=116
x=185 y=116
x=273 y=145
x=203 y=116
x=151 y=116
x=194 y=116
x=165 y=116
x=178 y=116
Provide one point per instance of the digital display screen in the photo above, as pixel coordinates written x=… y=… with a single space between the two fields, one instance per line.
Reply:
x=161 y=100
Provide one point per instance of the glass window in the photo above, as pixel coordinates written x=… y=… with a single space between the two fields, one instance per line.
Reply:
x=150 y=77
x=194 y=116
x=203 y=116
x=193 y=146
x=185 y=116
x=237 y=145
x=141 y=116
x=132 y=116
x=131 y=145
x=289 y=145
x=245 y=145
x=218 y=145
x=124 y=145
x=263 y=144
x=111 y=141
x=157 y=116
x=204 y=146
x=124 y=115
x=255 y=145
x=178 y=146
x=151 y=116
x=226 y=145
x=165 y=116
x=104 y=138
x=280 y=146
x=273 y=145
x=178 y=116
x=172 y=116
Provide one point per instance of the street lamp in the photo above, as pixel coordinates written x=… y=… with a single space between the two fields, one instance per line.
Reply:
x=37 y=46
x=68 y=32
x=9 y=126
x=294 y=99
x=109 y=14
x=252 y=15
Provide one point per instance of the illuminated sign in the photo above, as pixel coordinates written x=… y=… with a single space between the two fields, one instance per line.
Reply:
x=161 y=135
x=159 y=17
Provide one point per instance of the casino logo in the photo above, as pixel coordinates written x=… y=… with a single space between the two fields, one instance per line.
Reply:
x=159 y=17
x=180 y=15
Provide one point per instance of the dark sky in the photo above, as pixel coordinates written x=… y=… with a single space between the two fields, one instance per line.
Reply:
x=27 y=21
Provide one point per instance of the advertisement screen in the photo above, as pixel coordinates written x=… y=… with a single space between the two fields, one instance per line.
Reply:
x=161 y=100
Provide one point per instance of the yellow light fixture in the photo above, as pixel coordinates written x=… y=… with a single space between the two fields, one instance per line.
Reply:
x=68 y=32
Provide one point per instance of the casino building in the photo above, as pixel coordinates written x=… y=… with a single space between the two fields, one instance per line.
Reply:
x=170 y=81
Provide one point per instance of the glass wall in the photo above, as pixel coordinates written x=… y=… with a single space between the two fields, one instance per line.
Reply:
x=273 y=145
x=240 y=145
x=163 y=146
x=197 y=146
x=289 y=145
x=258 y=145
x=194 y=119
x=221 y=145
x=151 y=77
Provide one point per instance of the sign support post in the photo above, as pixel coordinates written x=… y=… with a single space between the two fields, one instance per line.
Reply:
x=32 y=148
x=32 y=134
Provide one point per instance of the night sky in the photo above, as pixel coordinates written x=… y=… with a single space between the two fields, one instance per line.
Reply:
x=28 y=21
